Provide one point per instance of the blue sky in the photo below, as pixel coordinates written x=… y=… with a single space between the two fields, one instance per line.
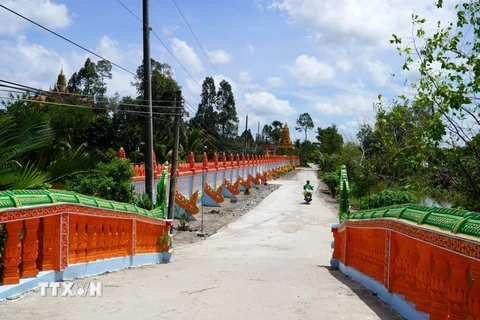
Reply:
x=330 y=58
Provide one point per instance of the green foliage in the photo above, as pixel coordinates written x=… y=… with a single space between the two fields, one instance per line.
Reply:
x=330 y=140
x=143 y=201
x=112 y=183
x=227 y=114
x=271 y=134
x=386 y=198
x=304 y=123
x=183 y=219
x=332 y=180
x=445 y=105
x=164 y=241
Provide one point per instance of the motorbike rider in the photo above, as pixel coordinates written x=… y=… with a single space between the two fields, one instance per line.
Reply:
x=308 y=186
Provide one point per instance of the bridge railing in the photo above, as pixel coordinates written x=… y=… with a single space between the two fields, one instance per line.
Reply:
x=54 y=230
x=421 y=260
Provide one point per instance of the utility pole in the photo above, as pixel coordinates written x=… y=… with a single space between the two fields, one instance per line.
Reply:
x=176 y=139
x=258 y=137
x=246 y=128
x=147 y=96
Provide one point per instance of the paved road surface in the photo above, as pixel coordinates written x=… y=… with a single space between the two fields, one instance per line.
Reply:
x=272 y=263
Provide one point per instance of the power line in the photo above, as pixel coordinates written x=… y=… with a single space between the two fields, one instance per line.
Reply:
x=226 y=145
x=80 y=106
x=17 y=86
x=66 y=39
x=199 y=44
x=206 y=55
x=158 y=38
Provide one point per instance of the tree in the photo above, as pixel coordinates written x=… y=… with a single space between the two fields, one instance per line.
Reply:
x=88 y=78
x=164 y=94
x=271 y=134
x=330 y=140
x=206 y=117
x=113 y=182
x=27 y=162
x=104 y=71
x=74 y=84
x=304 y=123
x=227 y=114
x=447 y=91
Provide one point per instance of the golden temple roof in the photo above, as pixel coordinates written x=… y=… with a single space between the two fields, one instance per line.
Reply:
x=285 y=141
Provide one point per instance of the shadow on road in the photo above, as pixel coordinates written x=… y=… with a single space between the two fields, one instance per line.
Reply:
x=381 y=309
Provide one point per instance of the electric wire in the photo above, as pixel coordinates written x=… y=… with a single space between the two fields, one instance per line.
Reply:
x=199 y=44
x=82 y=107
x=82 y=95
x=194 y=35
x=66 y=39
x=160 y=40
x=83 y=100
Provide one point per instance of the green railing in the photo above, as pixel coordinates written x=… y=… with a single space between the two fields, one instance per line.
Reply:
x=28 y=198
x=344 y=204
x=453 y=220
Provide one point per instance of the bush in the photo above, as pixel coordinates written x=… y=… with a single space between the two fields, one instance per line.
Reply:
x=386 y=198
x=113 y=182
x=332 y=180
x=143 y=201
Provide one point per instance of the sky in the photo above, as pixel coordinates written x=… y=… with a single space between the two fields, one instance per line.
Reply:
x=330 y=58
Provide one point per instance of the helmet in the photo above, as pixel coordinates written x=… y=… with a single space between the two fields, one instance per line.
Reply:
x=308 y=181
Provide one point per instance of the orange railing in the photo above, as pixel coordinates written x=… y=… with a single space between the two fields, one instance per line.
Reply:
x=52 y=237
x=438 y=272
x=427 y=256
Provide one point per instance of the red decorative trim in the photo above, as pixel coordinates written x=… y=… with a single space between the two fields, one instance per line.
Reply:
x=458 y=245
x=64 y=221
x=134 y=237
x=386 y=271
x=54 y=209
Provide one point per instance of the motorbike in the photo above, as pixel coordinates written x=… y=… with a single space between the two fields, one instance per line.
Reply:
x=307 y=195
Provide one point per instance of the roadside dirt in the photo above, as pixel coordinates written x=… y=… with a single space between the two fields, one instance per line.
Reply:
x=324 y=194
x=215 y=218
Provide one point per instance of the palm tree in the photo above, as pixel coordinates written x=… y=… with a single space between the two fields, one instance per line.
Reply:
x=191 y=141
x=25 y=165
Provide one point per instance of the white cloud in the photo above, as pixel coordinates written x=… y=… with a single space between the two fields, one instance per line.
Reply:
x=250 y=48
x=168 y=29
x=344 y=64
x=109 y=49
x=187 y=56
x=364 y=23
x=349 y=130
x=379 y=72
x=310 y=71
x=219 y=56
x=245 y=76
x=41 y=65
x=45 y=12
x=274 y=81
x=266 y=104
x=327 y=108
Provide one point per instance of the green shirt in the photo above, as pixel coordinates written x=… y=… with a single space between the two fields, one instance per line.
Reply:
x=307 y=186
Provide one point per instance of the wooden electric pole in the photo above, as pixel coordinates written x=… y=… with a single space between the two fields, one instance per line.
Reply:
x=147 y=96
x=176 y=141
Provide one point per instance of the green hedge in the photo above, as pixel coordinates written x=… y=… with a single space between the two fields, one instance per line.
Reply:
x=386 y=198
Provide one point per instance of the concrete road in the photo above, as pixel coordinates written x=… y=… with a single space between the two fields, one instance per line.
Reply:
x=272 y=263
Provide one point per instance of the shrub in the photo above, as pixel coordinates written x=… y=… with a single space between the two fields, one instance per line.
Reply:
x=332 y=180
x=113 y=182
x=143 y=201
x=386 y=198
